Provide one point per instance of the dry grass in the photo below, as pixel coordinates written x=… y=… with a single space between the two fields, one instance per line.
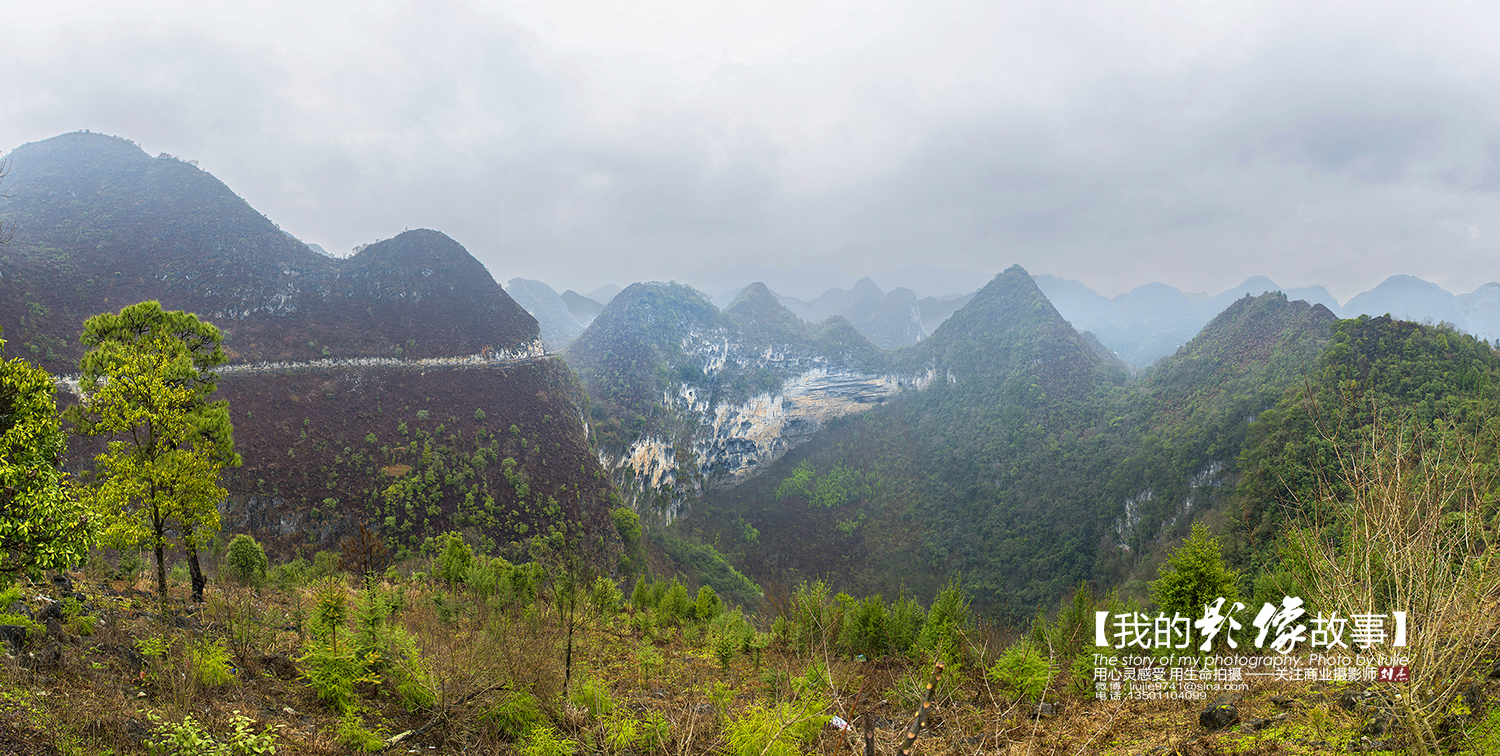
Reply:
x=477 y=654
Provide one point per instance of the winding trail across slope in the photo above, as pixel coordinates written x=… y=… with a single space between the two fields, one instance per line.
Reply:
x=531 y=352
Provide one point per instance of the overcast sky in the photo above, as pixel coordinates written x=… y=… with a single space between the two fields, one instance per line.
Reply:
x=1194 y=143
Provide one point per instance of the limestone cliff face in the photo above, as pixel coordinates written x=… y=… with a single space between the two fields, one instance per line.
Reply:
x=718 y=439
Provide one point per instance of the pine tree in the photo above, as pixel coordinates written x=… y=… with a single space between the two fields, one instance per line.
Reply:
x=1194 y=576
x=145 y=383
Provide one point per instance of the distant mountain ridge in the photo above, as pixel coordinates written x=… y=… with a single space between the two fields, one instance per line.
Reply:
x=1139 y=326
x=1151 y=321
x=100 y=225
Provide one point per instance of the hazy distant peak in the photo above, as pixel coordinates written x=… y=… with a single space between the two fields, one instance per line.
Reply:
x=1253 y=286
x=756 y=294
x=604 y=293
x=558 y=326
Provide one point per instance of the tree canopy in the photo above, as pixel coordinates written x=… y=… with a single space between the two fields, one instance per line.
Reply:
x=1194 y=576
x=43 y=525
x=145 y=382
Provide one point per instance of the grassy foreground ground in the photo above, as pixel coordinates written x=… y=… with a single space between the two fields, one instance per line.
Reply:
x=123 y=673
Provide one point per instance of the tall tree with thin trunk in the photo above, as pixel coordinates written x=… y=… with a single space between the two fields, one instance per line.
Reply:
x=145 y=383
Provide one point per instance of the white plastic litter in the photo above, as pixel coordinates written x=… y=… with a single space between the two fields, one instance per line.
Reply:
x=838 y=722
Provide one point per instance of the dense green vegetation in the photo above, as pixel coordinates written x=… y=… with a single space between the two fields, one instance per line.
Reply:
x=1375 y=370
x=1012 y=475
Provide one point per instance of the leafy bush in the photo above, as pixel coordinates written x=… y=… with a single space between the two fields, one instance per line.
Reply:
x=455 y=558
x=246 y=561
x=592 y=694
x=209 y=661
x=516 y=715
x=1022 y=671
x=674 y=606
x=779 y=731
x=188 y=738
x=706 y=606
x=943 y=633
x=544 y=741
x=627 y=524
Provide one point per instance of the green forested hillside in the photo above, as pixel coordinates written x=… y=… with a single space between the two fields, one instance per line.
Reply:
x=991 y=473
x=1192 y=413
x=1013 y=473
x=1422 y=377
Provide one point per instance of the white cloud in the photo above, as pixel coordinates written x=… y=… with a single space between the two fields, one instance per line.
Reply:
x=583 y=142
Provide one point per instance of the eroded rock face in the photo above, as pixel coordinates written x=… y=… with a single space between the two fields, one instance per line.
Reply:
x=722 y=440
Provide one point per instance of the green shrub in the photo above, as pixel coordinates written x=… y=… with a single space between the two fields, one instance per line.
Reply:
x=724 y=648
x=621 y=733
x=187 y=738
x=1194 y=576
x=131 y=565
x=210 y=662
x=605 y=597
x=707 y=605
x=780 y=731
x=74 y=618
x=390 y=651
x=489 y=577
x=624 y=733
x=10 y=596
x=333 y=673
x=293 y=574
x=592 y=694
x=331 y=608
x=544 y=741
x=904 y=624
x=516 y=715
x=721 y=696
x=352 y=733
x=455 y=558
x=245 y=562
x=640 y=596
x=865 y=631
x=627 y=524
x=650 y=660
x=812 y=618
x=674 y=606
x=943 y=634
x=1022 y=672
x=729 y=633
